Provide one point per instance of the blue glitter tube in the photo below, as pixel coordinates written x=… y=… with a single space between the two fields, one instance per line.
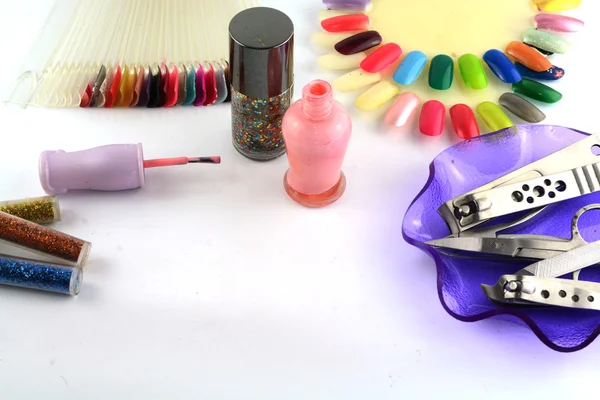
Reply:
x=40 y=276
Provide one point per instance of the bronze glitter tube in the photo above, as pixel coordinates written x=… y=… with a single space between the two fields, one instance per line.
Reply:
x=25 y=234
x=41 y=210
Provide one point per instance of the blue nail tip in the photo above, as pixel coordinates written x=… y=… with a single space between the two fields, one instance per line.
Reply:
x=501 y=66
x=410 y=68
x=553 y=74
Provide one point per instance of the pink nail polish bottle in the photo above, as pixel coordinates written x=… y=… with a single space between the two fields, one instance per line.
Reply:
x=316 y=132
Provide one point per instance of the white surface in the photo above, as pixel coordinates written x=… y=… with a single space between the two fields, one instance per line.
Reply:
x=211 y=284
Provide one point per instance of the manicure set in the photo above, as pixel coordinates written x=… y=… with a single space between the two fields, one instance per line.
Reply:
x=509 y=237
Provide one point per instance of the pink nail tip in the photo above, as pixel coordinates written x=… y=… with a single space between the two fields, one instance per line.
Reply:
x=403 y=108
x=558 y=23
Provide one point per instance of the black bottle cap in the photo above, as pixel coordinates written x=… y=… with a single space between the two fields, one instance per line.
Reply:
x=261 y=52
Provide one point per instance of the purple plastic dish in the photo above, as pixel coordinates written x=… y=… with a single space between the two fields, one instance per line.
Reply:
x=468 y=165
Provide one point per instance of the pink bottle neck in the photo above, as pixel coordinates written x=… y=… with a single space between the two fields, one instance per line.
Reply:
x=317 y=100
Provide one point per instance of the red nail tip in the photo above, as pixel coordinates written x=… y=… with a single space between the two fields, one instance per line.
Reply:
x=381 y=58
x=433 y=116
x=115 y=90
x=86 y=97
x=173 y=88
x=464 y=121
x=347 y=23
x=211 y=86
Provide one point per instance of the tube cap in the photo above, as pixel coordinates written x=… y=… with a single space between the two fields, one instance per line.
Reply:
x=261 y=52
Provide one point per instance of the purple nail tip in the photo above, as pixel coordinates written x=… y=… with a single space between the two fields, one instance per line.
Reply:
x=353 y=5
x=200 y=87
x=466 y=166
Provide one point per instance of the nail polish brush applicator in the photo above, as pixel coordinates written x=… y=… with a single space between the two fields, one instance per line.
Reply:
x=107 y=168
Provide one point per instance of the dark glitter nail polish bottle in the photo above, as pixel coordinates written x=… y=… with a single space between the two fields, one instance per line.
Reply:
x=261 y=60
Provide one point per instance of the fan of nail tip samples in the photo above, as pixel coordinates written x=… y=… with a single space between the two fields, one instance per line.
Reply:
x=524 y=67
x=130 y=53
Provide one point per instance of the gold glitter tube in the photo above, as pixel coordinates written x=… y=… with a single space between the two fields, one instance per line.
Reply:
x=21 y=233
x=41 y=210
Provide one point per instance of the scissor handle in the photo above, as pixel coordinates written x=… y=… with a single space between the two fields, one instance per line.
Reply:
x=577 y=217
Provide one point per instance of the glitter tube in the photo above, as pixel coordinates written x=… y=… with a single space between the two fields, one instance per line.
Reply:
x=40 y=276
x=261 y=62
x=41 y=210
x=39 y=239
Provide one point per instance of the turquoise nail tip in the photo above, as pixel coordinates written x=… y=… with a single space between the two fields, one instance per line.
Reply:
x=501 y=66
x=410 y=68
x=190 y=87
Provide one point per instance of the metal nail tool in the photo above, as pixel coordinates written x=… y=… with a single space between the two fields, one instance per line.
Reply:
x=566 y=174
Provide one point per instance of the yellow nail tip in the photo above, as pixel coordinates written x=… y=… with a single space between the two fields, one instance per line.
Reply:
x=355 y=80
x=328 y=39
x=335 y=61
x=493 y=116
x=377 y=96
x=557 y=5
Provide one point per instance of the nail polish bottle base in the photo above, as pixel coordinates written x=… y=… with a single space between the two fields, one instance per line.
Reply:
x=317 y=200
x=260 y=156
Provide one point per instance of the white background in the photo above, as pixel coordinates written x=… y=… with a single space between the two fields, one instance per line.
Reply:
x=211 y=284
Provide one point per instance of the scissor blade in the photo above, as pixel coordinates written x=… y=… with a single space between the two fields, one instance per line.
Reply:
x=565 y=263
x=467 y=243
x=521 y=246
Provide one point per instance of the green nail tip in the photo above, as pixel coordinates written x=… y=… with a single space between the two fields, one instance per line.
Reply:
x=472 y=72
x=537 y=91
x=441 y=72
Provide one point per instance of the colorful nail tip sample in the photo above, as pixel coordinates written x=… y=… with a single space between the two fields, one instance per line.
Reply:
x=432 y=119
x=358 y=43
x=546 y=41
x=557 y=5
x=493 y=116
x=528 y=56
x=544 y=52
x=335 y=61
x=441 y=72
x=381 y=58
x=472 y=72
x=522 y=108
x=410 y=68
x=553 y=74
x=40 y=210
x=200 y=87
x=354 y=5
x=537 y=91
x=501 y=66
x=355 y=80
x=347 y=23
x=376 y=96
x=40 y=276
x=402 y=109
x=558 y=23
x=464 y=121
